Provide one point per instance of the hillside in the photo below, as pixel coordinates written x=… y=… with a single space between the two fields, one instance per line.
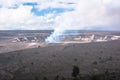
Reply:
x=58 y=59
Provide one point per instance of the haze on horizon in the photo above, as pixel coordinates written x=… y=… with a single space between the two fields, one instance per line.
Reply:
x=60 y=14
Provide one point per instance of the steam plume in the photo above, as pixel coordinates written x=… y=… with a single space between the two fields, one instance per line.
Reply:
x=88 y=15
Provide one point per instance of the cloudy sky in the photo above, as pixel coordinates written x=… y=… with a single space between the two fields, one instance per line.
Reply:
x=61 y=14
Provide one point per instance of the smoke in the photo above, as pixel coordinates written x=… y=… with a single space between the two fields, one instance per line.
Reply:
x=87 y=15
x=55 y=36
x=61 y=28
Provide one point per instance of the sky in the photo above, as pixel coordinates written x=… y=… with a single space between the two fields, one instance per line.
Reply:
x=60 y=14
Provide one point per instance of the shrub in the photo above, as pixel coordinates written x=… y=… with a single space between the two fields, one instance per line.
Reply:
x=75 y=71
x=45 y=78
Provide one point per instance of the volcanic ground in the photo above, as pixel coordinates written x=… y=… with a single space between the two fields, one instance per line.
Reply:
x=34 y=60
x=57 y=59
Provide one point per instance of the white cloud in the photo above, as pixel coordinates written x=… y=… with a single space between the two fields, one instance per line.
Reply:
x=92 y=14
x=87 y=14
x=22 y=18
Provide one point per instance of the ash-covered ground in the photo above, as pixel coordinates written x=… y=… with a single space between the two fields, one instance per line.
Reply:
x=26 y=56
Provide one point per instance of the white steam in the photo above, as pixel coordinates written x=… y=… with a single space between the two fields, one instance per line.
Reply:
x=86 y=15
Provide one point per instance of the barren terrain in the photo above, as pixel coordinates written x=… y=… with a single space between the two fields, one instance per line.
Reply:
x=24 y=55
x=58 y=59
x=25 y=39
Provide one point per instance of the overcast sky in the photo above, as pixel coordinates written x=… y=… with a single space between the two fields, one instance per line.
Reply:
x=65 y=14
